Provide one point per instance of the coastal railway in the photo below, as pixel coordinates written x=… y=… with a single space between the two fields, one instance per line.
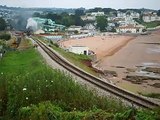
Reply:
x=118 y=92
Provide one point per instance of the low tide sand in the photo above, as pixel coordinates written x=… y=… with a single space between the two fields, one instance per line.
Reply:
x=124 y=52
x=142 y=51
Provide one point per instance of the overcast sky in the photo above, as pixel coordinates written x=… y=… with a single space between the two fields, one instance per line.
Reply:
x=151 y=4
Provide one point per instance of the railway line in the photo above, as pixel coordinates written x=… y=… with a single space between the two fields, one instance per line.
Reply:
x=121 y=93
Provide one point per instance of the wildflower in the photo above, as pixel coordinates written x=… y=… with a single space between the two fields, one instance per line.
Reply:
x=26 y=98
x=24 y=89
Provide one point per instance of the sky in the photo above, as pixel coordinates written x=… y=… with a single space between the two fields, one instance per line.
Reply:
x=117 y=4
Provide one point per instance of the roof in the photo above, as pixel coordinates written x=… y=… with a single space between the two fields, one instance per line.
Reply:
x=130 y=26
x=73 y=26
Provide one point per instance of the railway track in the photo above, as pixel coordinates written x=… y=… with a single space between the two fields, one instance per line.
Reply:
x=126 y=95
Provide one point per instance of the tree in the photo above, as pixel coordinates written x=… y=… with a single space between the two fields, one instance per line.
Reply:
x=3 y=24
x=5 y=36
x=158 y=13
x=79 y=12
x=78 y=21
x=101 y=23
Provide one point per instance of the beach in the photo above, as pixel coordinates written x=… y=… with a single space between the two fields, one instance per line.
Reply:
x=141 y=52
x=104 y=45
x=128 y=56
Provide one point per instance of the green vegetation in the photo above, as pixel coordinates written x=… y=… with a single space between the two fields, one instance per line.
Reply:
x=5 y=36
x=76 y=59
x=101 y=23
x=3 y=24
x=152 y=95
x=63 y=18
x=30 y=90
x=25 y=81
x=151 y=24
x=158 y=12
x=148 y=24
x=105 y=10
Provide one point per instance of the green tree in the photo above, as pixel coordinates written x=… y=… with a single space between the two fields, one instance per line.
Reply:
x=79 y=12
x=78 y=21
x=3 y=24
x=158 y=13
x=101 y=23
x=5 y=36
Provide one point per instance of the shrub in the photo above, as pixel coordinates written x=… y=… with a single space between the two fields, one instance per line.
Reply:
x=5 y=36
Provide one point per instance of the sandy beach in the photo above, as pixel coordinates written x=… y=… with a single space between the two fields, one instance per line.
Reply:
x=141 y=52
x=126 y=55
x=102 y=45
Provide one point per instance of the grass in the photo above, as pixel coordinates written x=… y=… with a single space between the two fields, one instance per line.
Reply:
x=151 y=24
x=152 y=95
x=76 y=59
x=20 y=61
x=25 y=80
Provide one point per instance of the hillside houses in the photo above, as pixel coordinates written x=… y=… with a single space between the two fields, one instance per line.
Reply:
x=130 y=28
x=130 y=13
x=92 y=16
x=150 y=17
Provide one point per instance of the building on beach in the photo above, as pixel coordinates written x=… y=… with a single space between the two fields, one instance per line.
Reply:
x=79 y=50
x=74 y=28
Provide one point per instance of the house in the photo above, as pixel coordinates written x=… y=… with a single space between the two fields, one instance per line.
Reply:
x=130 y=28
x=120 y=14
x=97 y=13
x=150 y=17
x=79 y=50
x=74 y=28
x=135 y=15
x=39 y=32
x=90 y=26
x=88 y=18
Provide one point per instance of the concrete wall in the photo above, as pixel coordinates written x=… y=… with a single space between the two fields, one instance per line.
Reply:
x=79 y=50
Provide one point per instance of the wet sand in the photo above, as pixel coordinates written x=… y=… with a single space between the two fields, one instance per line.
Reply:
x=143 y=51
x=125 y=55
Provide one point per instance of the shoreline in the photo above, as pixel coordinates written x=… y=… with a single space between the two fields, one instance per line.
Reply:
x=114 y=50
x=142 y=52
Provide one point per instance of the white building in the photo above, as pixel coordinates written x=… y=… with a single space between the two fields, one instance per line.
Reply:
x=39 y=32
x=79 y=50
x=130 y=29
x=97 y=13
x=74 y=28
x=135 y=15
x=130 y=13
x=150 y=17
x=88 y=18
x=120 y=14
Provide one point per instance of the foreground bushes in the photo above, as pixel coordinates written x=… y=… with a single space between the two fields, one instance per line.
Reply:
x=48 y=111
x=5 y=36
x=54 y=86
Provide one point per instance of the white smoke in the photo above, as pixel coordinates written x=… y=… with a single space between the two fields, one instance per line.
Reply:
x=32 y=24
